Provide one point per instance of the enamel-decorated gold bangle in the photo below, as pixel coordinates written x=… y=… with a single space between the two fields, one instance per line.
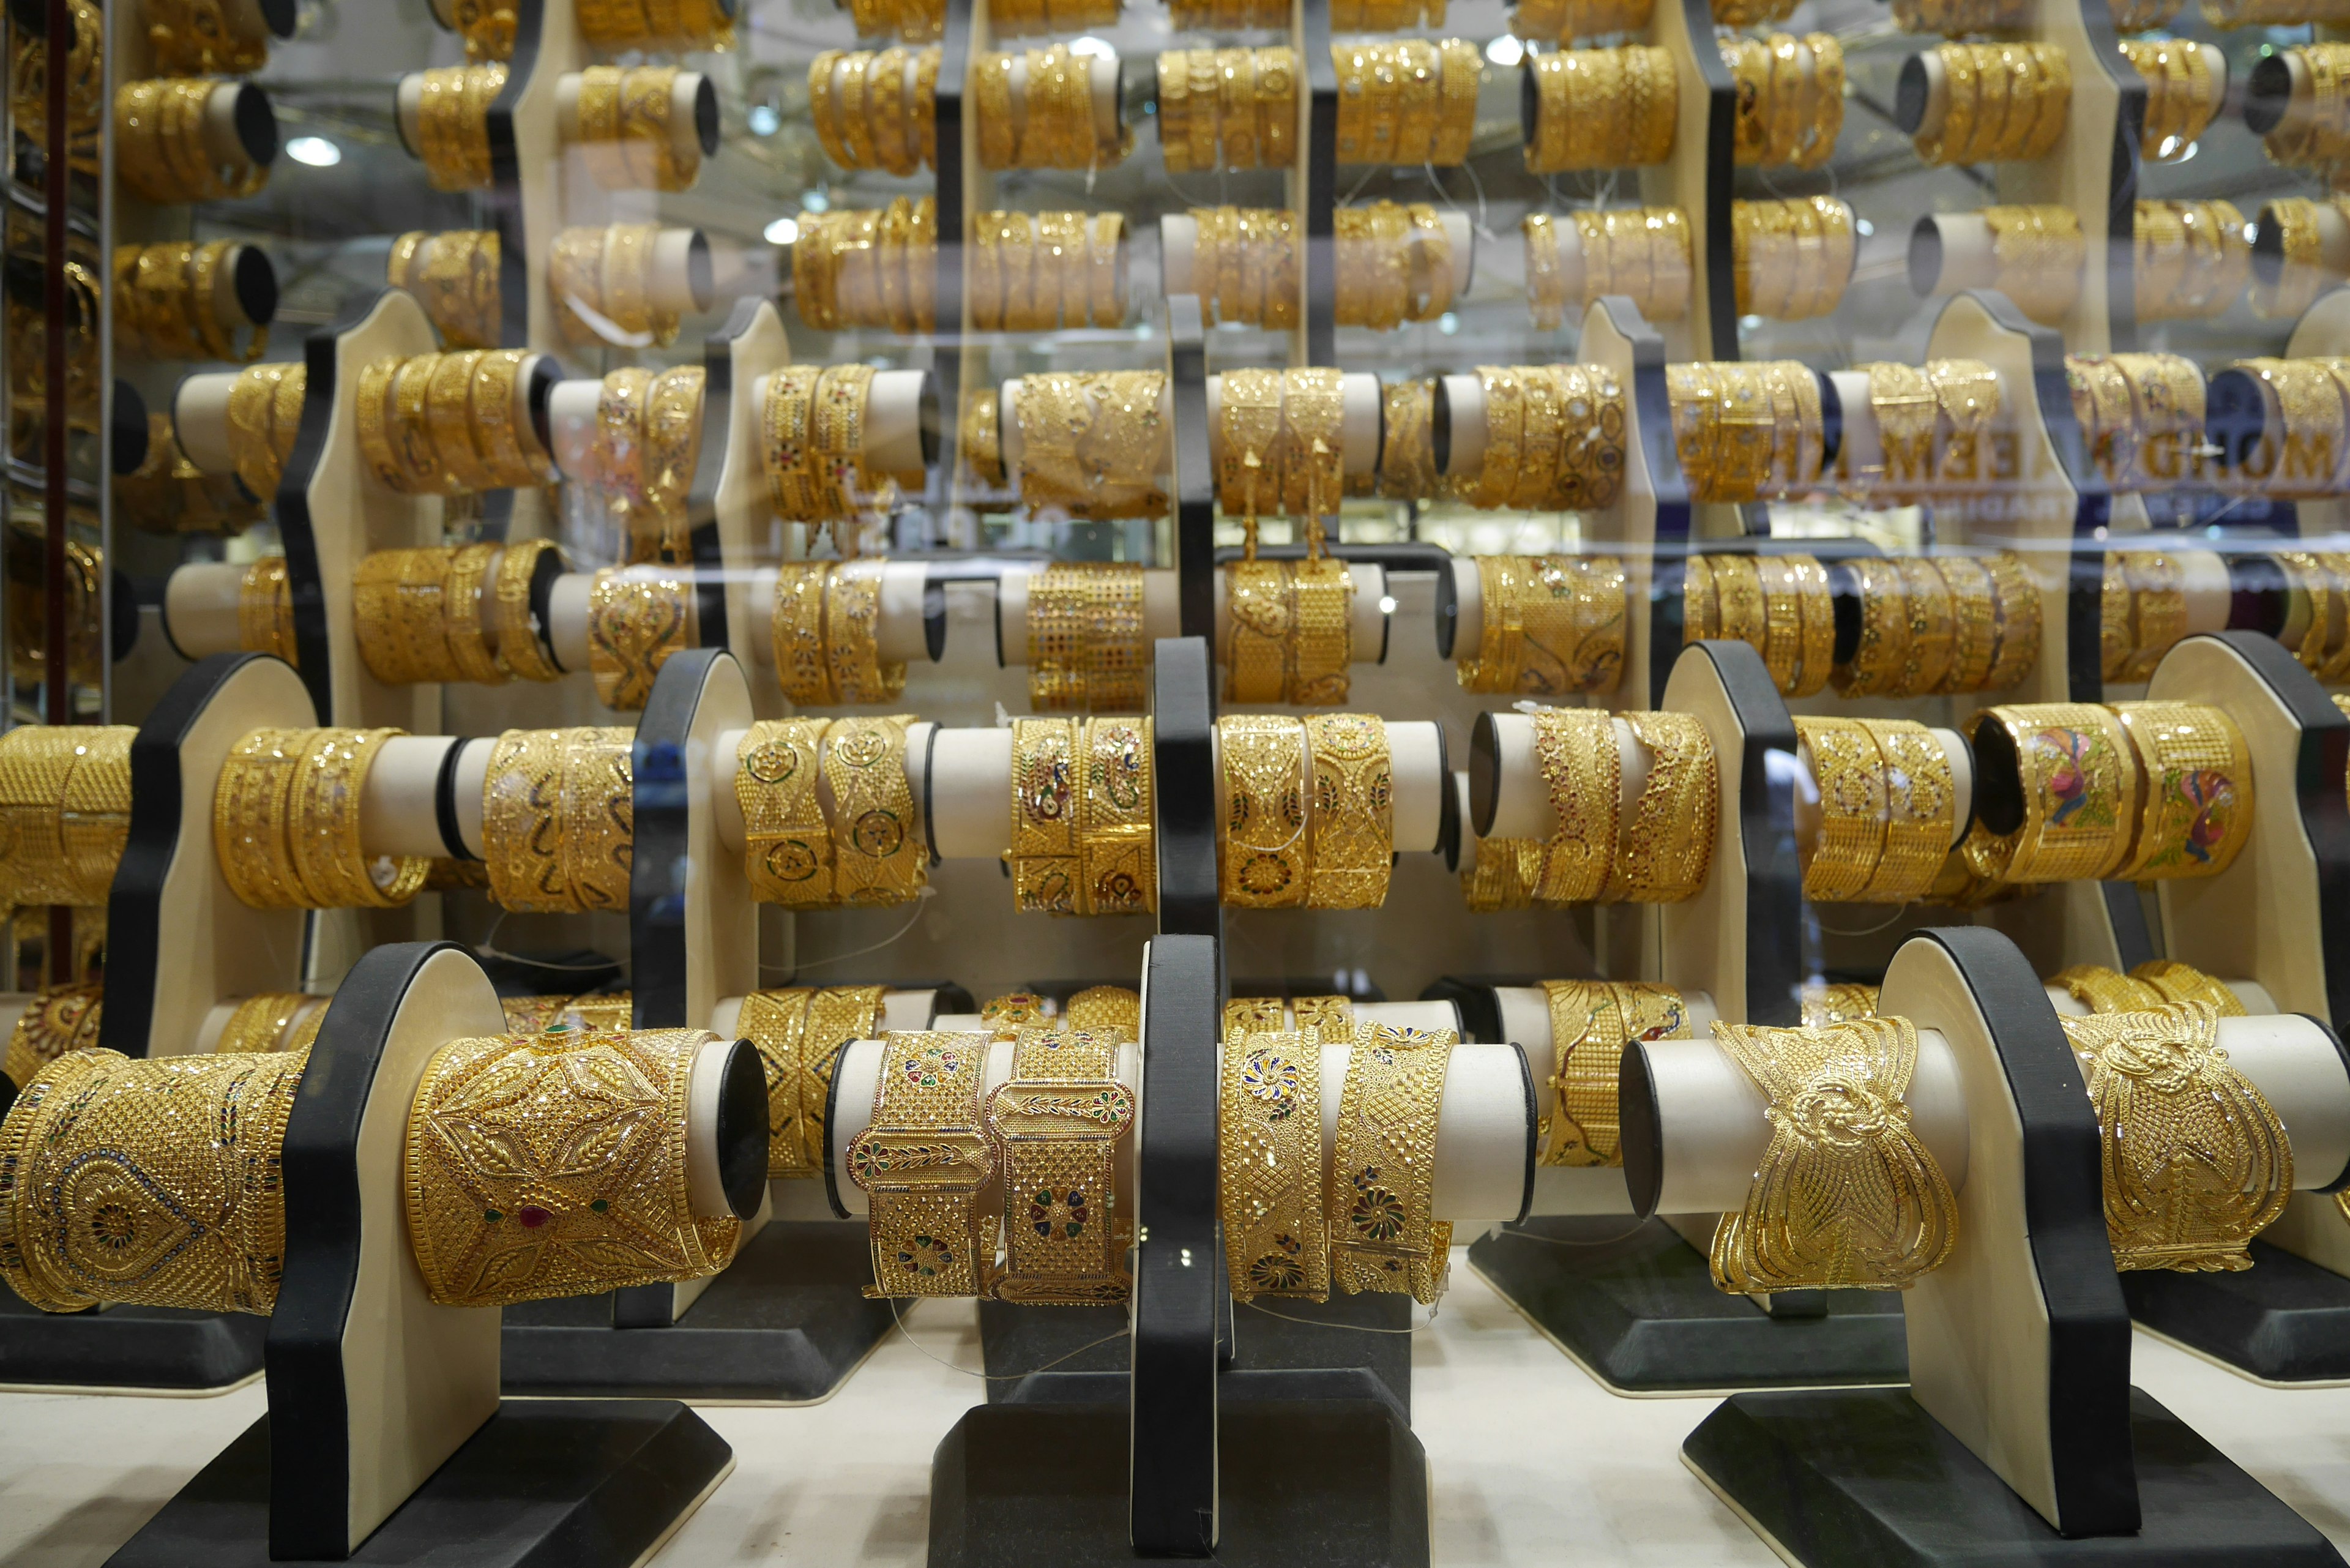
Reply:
x=1352 y=842
x=636 y=616
x=2168 y=1100
x=1849 y=772
x=1043 y=852
x=1582 y=769
x=1254 y=1015
x=1269 y=1175
x=1332 y=1018
x=60 y=1018
x=489 y=1231
x=1118 y=863
x=787 y=844
x=775 y=1023
x=1665 y=845
x=1008 y=1016
x=1264 y=849
x=1834 y=1129
x=878 y=852
x=2194 y=793
x=2076 y=770
x=104 y=1160
x=923 y=1161
x=1590 y=1023
x=1384 y=1233
x=1920 y=811
x=1057 y=1124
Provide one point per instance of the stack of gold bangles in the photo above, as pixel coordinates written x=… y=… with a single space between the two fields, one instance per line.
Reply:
x=798 y=1033
x=2126 y=792
x=1554 y=438
x=1408 y=442
x=599 y=279
x=265 y=415
x=168 y=493
x=1306 y=819
x=2317 y=140
x=636 y=616
x=1559 y=21
x=558 y=820
x=65 y=808
x=1659 y=850
x=1550 y=626
x=1081 y=818
x=1791 y=258
x=189 y=36
x=1957 y=18
x=2005 y=103
x=1048 y=271
x=1408 y=102
x=1930 y=427
x=826 y=628
x=858 y=840
x=1293 y=1229
x=1590 y=1023
x=1747 y=432
x=454 y=276
x=626 y=137
x=813 y=447
x=265 y=610
x=2037 y=254
x=1284 y=444
x=2141 y=417
x=1290 y=637
x=417 y=614
x=1928 y=624
x=2182 y=95
x=1225 y=16
x=2301 y=452
x=2317 y=623
x=169 y=299
x=1790 y=99
x=1603 y=108
x=980 y=447
x=163 y=151
x=1385 y=16
x=1054 y=125
x=1085 y=636
x=1779 y=605
x=285 y=822
x=2154 y=983
x=1887 y=810
x=648 y=440
x=2142 y=613
x=1642 y=252
x=1394 y=266
x=870 y=266
x=1092 y=445
x=453 y=124
x=442 y=424
x=2300 y=272
x=914 y=21
x=2190 y=258
x=876 y=110
x=614 y=25
x=1228 y=108
x=1245 y=264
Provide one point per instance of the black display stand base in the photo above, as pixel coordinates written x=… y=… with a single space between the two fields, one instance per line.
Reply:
x=2283 y=1320
x=1302 y=1483
x=785 y=1324
x=1866 y=1478
x=1050 y=1355
x=158 y=1349
x=1640 y=1312
x=545 y=1484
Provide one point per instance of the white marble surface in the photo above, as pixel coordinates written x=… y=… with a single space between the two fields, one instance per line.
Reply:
x=1530 y=1461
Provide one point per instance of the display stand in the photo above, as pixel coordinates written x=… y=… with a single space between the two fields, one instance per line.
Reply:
x=386 y=1440
x=2020 y=1439
x=752 y=345
x=1317 y=143
x=1634 y=1303
x=1698 y=178
x=955 y=156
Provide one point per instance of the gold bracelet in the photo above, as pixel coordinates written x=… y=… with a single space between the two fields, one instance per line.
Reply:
x=490 y=1229
x=636 y=616
x=1056 y=1124
x=259 y=1022
x=1330 y=1019
x=795 y=629
x=1106 y=1009
x=2195 y=795
x=2175 y=981
x=1838 y=1125
x=1269 y=1175
x=1590 y=1023
x=1582 y=769
x=322 y=827
x=2104 y=990
x=1920 y=811
x=148 y=1182
x=787 y=844
x=1665 y=844
x=559 y=821
x=250 y=812
x=1118 y=863
x=1044 y=842
x=265 y=610
x=2168 y=1100
x=775 y=1023
x=1849 y=772
x=64 y=812
x=1842 y=1002
x=1351 y=843
x=852 y=625
x=2076 y=770
x=520 y=649
x=879 y=856
x=1321 y=642
x=60 y=1018
x=1264 y=853
x=1883 y=652
x=923 y=1161
x=1384 y=1233
x=2018 y=595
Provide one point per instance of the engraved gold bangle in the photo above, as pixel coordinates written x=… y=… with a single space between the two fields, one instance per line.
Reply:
x=1351 y=843
x=322 y=827
x=1591 y=1023
x=1044 y=842
x=923 y=1161
x=558 y=820
x=775 y=1023
x=1665 y=843
x=1582 y=770
x=520 y=647
x=2175 y=981
x=1118 y=864
x=786 y=843
x=1849 y=772
x=1269 y=1175
x=1384 y=1234
x=1920 y=811
x=636 y=616
x=1056 y=1124
x=880 y=855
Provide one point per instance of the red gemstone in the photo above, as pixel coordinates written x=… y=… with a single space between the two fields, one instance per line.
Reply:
x=533 y=1216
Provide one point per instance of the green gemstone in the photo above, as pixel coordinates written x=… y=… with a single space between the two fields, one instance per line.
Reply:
x=492 y=1215
x=598 y=1206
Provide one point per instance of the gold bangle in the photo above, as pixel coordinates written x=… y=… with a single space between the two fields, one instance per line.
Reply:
x=787 y=844
x=1321 y=642
x=636 y=616
x=923 y=1161
x=2018 y=597
x=1269 y=1175
x=1882 y=653
x=1106 y=1008
x=1384 y=1234
x=250 y=809
x=796 y=630
x=1582 y=769
x=852 y=624
x=1263 y=851
x=1351 y=843
x=265 y=610
x=488 y=1230
x=1258 y=607
x=520 y=649
x=2104 y=990
x=1044 y=841
x=879 y=851
x=775 y=1023
x=2175 y=981
x=148 y=1182
x=65 y=813
x=1849 y=772
x=322 y=827
x=1590 y=1023
x=558 y=820
x=1330 y=1019
x=2167 y=1098
x=1838 y=1125
x=259 y=1022
x=1056 y=1124
x=2075 y=767
x=2195 y=797
x=1118 y=863
x=1927 y=649
x=1920 y=811
x=1665 y=844
x=1842 y=1002
x=60 y=1018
